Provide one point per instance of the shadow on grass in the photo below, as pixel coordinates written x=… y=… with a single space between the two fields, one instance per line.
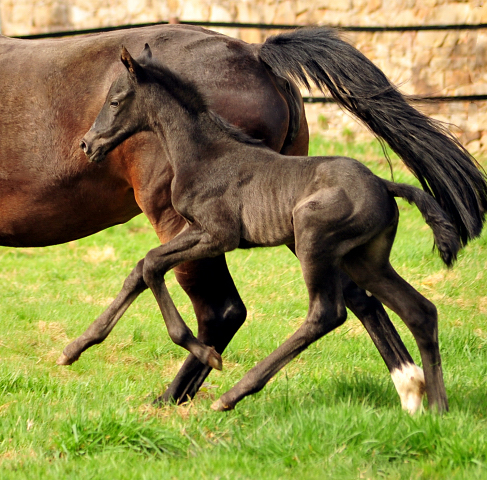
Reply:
x=359 y=389
x=372 y=392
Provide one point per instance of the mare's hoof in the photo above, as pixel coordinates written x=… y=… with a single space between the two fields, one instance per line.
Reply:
x=215 y=359
x=219 y=406
x=64 y=360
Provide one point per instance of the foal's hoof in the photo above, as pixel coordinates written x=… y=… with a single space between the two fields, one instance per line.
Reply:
x=65 y=360
x=214 y=359
x=219 y=406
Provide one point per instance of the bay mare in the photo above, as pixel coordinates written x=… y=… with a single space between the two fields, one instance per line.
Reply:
x=49 y=194
x=234 y=192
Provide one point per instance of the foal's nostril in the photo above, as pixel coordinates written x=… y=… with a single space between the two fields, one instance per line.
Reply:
x=83 y=146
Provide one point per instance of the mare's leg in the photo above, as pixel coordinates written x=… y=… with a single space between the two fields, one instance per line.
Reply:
x=219 y=312
x=369 y=267
x=407 y=377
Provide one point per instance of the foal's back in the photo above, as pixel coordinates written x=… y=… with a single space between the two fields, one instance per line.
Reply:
x=269 y=189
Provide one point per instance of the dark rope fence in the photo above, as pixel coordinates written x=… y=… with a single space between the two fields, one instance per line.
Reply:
x=432 y=99
x=262 y=26
x=268 y=26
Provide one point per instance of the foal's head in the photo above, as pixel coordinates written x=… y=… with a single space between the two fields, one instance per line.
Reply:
x=120 y=116
x=131 y=100
x=144 y=90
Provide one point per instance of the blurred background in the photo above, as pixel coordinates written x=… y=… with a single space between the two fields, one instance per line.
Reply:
x=430 y=48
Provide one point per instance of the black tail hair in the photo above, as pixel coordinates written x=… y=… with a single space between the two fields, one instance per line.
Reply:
x=445 y=234
x=441 y=164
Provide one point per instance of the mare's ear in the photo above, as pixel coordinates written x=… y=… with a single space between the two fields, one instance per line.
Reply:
x=132 y=66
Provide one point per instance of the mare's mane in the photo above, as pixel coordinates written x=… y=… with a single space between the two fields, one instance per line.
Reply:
x=190 y=98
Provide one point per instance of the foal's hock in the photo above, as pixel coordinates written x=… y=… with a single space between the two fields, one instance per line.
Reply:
x=234 y=192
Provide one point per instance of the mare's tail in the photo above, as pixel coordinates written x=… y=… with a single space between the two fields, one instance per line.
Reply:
x=441 y=164
x=445 y=234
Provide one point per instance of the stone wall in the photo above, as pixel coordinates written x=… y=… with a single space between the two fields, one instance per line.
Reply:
x=447 y=62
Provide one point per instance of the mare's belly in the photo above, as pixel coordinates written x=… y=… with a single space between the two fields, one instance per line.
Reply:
x=36 y=222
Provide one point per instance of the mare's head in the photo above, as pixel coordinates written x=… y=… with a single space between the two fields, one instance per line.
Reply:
x=121 y=115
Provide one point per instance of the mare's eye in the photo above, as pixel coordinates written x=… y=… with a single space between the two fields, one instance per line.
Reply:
x=114 y=103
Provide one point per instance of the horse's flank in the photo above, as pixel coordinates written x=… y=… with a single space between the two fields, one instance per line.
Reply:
x=52 y=90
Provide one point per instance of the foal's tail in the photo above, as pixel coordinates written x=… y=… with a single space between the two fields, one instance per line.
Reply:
x=441 y=164
x=445 y=234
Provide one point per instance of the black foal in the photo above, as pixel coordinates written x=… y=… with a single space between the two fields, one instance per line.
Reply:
x=235 y=193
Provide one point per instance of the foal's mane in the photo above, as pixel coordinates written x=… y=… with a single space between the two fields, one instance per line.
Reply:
x=192 y=100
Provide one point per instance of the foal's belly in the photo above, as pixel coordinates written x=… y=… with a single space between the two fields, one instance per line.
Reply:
x=266 y=226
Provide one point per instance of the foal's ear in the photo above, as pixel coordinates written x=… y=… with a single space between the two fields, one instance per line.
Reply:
x=132 y=66
x=147 y=52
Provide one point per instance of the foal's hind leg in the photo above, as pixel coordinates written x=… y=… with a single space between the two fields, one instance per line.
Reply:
x=369 y=267
x=316 y=225
x=408 y=378
x=326 y=312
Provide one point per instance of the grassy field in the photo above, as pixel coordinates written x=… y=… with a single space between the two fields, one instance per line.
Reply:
x=332 y=413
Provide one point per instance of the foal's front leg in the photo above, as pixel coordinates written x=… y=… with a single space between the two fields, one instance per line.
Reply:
x=133 y=286
x=191 y=244
x=219 y=310
x=220 y=313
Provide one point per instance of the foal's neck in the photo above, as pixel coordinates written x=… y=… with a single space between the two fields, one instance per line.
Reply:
x=188 y=134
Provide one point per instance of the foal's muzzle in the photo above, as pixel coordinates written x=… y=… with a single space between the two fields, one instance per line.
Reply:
x=94 y=155
x=83 y=146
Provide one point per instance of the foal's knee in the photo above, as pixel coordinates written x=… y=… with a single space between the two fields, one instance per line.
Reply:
x=180 y=335
x=152 y=269
x=135 y=280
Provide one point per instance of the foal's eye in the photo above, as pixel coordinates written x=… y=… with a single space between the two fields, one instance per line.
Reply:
x=114 y=103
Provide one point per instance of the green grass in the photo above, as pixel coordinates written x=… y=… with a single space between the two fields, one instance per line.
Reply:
x=332 y=413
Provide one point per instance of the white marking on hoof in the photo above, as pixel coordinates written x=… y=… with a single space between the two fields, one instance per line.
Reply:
x=368 y=293
x=409 y=383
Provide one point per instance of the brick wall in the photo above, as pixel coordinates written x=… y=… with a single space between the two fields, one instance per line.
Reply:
x=452 y=62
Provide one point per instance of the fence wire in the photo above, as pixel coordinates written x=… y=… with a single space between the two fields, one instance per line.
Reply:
x=269 y=26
